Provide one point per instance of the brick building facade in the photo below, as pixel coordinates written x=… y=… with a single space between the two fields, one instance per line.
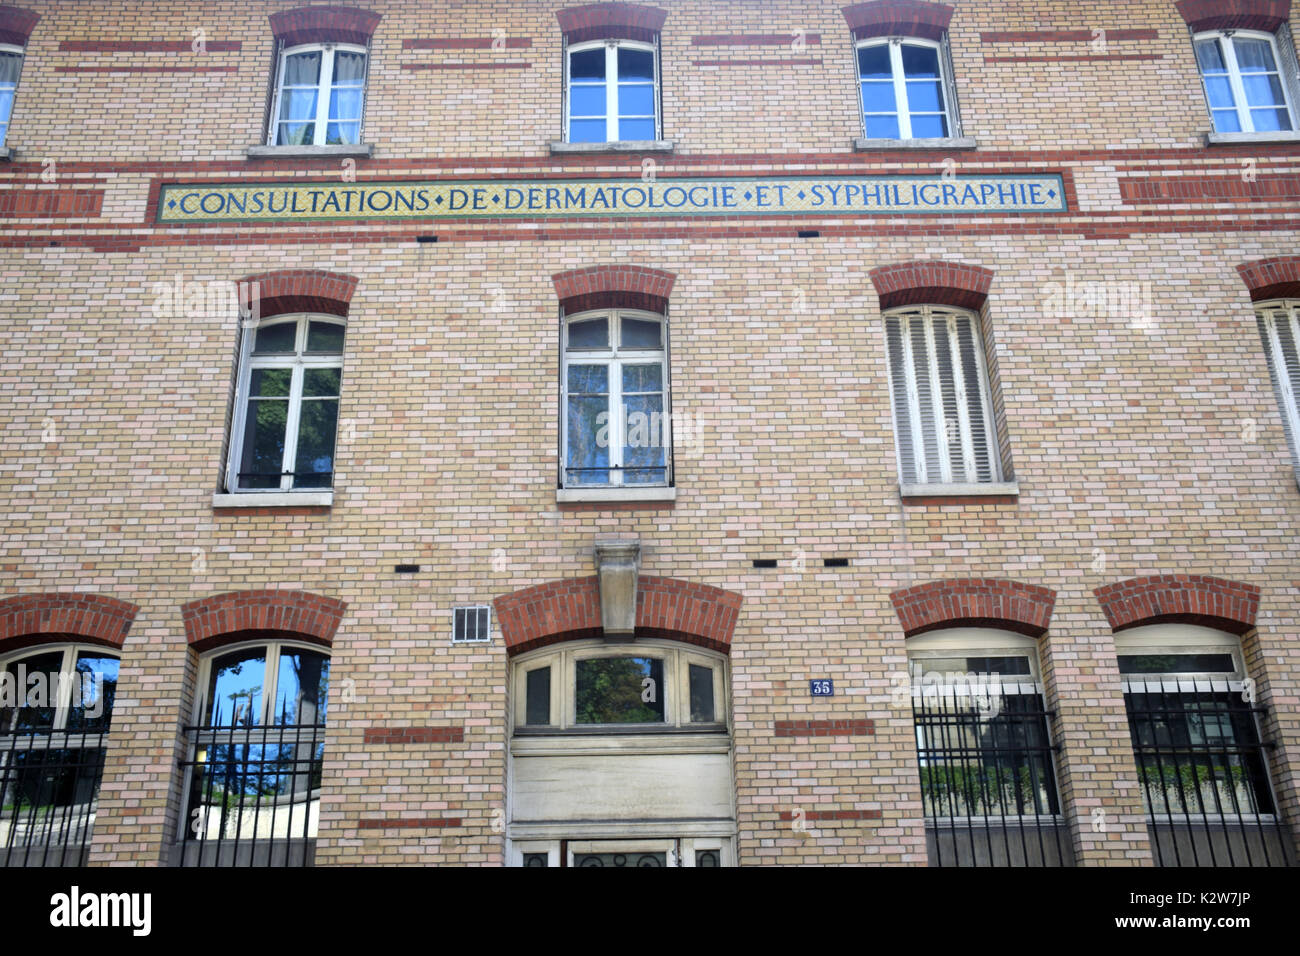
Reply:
x=1111 y=477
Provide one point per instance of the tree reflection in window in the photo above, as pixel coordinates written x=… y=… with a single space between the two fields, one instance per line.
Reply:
x=620 y=690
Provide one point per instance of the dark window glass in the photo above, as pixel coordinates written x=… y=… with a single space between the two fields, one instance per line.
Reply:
x=34 y=684
x=324 y=337
x=620 y=690
x=235 y=688
x=1176 y=664
x=1018 y=666
x=701 y=695
x=94 y=693
x=279 y=337
x=302 y=687
x=537 y=697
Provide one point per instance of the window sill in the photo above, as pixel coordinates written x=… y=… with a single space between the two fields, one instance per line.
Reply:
x=1000 y=489
x=586 y=495
x=360 y=151
x=1229 y=139
x=273 y=499
x=6 y=153
x=626 y=146
x=862 y=145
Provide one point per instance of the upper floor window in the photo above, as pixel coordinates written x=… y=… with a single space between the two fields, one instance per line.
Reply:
x=942 y=401
x=1279 y=331
x=11 y=64
x=615 y=430
x=291 y=371
x=905 y=93
x=1246 y=87
x=613 y=92
x=319 y=95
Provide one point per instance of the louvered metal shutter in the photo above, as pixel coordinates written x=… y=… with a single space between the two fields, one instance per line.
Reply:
x=1279 y=332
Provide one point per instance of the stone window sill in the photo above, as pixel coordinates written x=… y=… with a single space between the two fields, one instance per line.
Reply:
x=275 y=499
x=583 y=495
x=1229 y=139
x=862 y=145
x=1000 y=489
x=627 y=146
x=360 y=151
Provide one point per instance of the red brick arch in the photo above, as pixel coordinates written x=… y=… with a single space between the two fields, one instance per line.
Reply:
x=609 y=287
x=1277 y=278
x=611 y=21
x=974 y=602
x=1265 y=15
x=569 y=610
x=332 y=24
x=16 y=24
x=1182 y=599
x=931 y=282
x=298 y=290
x=222 y=618
x=908 y=18
x=43 y=618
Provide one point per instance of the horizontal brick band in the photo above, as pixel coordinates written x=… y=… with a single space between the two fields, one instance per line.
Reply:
x=761 y=61
x=124 y=68
x=1074 y=57
x=974 y=602
x=828 y=815
x=853 y=727
x=1065 y=36
x=408 y=823
x=610 y=286
x=41 y=203
x=16 y=24
x=931 y=282
x=1265 y=15
x=755 y=39
x=569 y=609
x=611 y=21
x=1182 y=599
x=1164 y=189
x=499 y=65
x=28 y=619
x=298 y=290
x=301 y=613
x=911 y=18
x=465 y=43
x=1277 y=278
x=332 y=24
x=414 y=735
x=147 y=46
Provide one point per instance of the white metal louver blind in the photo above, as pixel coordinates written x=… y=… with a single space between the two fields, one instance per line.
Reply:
x=1279 y=330
x=942 y=414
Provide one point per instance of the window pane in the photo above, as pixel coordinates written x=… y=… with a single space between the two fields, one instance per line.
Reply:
x=264 y=434
x=924 y=96
x=873 y=63
x=301 y=688
x=587 y=131
x=1218 y=89
x=279 y=337
x=1254 y=56
x=340 y=134
x=587 y=100
x=10 y=65
x=882 y=127
x=1210 y=57
x=302 y=69
x=636 y=130
x=920 y=61
x=296 y=134
x=588 y=445
x=1263 y=89
x=1227 y=121
x=591 y=334
x=1176 y=664
x=587 y=64
x=926 y=127
x=644 y=458
x=701 y=694
x=641 y=334
x=324 y=337
x=270 y=382
x=298 y=106
x=619 y=690
x=636 y=100
x=636 y=65
x=634 y=859
x=878 y=97
x=6 y=104
x=34 y=682
x=643 y=378
x=94 y=693
x=349 y=68
x=1270 y=119
x=537 y=697
x=321 y=382
x=315 y=454
x=235 y=688
x=345 y=104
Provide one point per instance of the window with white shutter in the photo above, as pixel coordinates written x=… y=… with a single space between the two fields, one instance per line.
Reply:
x=1279 y=330
x=943 y=415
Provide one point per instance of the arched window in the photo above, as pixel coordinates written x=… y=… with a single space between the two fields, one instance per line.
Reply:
x=291 y=370
x=1279 y=331
x=985 y=750
x=256 y=748
x=1201 y=762
x=616 y=405
x=319 y=95
x=1246 y=84
x=905 y=90
x=11 y=65
x=943 y=410
x=56 y=706
x=613 y=92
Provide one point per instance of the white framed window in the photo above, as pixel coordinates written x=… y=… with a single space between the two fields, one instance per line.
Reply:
x=611 y=92
x=641 y=853
x=615 y=429
x=11 y=66
x=471 y=624
x=942 y=402
x=603 y=687
x=319 y=95
x=1279 y=331
x=287 y=405
x=1246 y=83
x=905 y=88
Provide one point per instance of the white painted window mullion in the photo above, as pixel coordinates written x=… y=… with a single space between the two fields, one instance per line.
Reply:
x=913 y=400
x=966 y=433
x=900 y=89
x=611 y=93
x=1244 y=119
